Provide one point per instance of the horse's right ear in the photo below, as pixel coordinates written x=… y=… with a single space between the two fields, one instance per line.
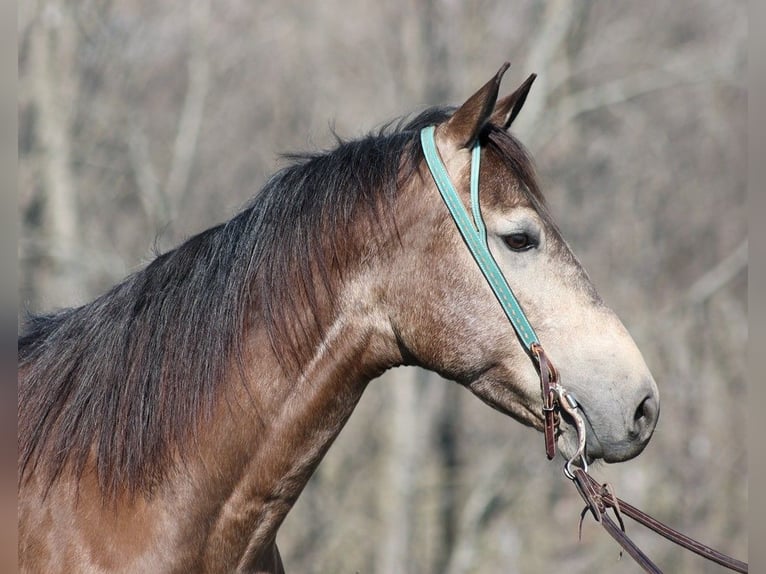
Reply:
x=466 y=123
x=509 y=107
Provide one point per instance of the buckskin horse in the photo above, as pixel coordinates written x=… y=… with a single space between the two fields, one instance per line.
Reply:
x=170 y=424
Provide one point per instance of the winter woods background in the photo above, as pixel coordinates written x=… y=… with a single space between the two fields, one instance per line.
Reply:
x=143 y=122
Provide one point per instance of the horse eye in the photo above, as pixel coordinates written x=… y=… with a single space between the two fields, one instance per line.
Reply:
x=518 y=241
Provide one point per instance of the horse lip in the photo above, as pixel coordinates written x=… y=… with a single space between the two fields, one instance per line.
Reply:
x=593 y=447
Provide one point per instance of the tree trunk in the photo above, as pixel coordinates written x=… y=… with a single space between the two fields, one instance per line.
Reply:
x=398 y=487
x=52 y=55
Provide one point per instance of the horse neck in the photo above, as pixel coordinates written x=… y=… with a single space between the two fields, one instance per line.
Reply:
x=268 y=435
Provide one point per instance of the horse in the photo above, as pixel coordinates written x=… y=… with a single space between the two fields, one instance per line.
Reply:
x=170 y=424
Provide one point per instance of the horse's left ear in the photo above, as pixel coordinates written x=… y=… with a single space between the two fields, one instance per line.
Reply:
x=509 y=107
x=466 y=123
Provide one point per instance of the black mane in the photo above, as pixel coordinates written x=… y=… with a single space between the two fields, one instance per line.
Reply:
x=127 y=377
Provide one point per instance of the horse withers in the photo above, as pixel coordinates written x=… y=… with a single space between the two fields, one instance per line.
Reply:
x=170 y=424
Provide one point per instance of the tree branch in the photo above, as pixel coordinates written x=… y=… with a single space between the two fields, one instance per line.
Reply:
x=572 y=106
x=717 y=277
x=189 y=124
x=153 y=199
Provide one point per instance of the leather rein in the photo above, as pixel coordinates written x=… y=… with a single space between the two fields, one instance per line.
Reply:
x=599 y=499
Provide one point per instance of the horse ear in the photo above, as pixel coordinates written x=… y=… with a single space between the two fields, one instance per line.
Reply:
x=509 y=107
x=465 y=124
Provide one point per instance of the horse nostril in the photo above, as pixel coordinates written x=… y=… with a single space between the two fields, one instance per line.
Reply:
x=645 y=416
x=640 y=411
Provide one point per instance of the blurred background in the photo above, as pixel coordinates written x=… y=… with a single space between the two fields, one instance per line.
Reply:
x=144 y=122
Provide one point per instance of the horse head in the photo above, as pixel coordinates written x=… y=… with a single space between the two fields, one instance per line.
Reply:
x=455 y=325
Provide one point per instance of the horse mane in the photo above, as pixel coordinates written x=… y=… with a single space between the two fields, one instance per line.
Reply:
x=125 y=379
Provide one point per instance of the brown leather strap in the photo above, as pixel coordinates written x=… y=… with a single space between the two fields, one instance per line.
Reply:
x=598 y=499
x=548 y=377
x=630 y=547
x=591 y=493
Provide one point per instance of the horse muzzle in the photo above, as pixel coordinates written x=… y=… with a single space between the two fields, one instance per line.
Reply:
x=619 y=430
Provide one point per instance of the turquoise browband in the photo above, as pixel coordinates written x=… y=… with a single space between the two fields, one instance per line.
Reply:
x=474 y=233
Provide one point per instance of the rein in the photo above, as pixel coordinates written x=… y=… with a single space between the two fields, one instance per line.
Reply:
x=598 y=498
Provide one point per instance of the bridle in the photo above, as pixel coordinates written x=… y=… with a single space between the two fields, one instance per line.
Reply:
x=474 y=233
x=598 y=498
